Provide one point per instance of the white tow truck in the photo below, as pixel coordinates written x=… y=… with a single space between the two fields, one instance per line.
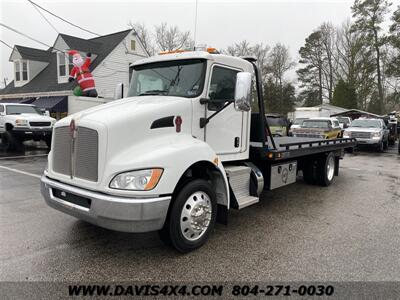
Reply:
x=179 y=152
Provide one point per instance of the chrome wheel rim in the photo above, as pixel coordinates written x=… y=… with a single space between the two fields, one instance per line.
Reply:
x=330 y=168
x=196 y=216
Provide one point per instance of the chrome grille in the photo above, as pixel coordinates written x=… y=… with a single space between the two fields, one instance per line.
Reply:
x=309 y=135
x=86 y=154
x=62 y=150
x=42 y=124
x=361 y=135
x=85 y=158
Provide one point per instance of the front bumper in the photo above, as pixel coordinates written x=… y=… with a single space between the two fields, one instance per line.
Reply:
x=112 y=212
x=372 y=142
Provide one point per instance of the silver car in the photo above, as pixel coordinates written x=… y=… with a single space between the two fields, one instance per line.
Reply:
x=370 y=132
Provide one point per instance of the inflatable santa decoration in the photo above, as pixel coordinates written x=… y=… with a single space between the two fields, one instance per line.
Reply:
x=82 y=74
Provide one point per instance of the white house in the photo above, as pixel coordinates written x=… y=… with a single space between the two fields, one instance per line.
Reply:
x=41 y=76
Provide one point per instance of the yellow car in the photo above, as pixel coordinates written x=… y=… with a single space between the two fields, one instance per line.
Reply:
x=321 y=128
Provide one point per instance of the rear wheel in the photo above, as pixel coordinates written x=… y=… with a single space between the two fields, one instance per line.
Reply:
x=325 y=169
x=191 y=218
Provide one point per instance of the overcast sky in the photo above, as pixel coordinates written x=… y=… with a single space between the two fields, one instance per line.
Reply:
x=220 y=23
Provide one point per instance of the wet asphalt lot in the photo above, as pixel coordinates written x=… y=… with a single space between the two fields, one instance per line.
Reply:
x=349 y=231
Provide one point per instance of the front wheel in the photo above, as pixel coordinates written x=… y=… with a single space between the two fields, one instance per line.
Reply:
x=381 y=147
x=47 y=140
x=191 y=218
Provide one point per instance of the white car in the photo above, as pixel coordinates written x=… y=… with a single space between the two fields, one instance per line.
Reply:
x=344 y=122
x=22 y=122
x=296 y=124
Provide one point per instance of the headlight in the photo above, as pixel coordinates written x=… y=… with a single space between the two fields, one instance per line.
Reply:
x=53 y=122
x=376 y=135
x=347 y=134
x=21 y=122
x=141 y=180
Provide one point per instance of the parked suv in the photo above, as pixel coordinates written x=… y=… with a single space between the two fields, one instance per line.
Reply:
x=370 y=132
x=22 y=122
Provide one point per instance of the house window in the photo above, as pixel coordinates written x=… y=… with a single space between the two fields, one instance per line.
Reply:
x=133 y=45
x=70 y=64
x=62 y=68
x=24 y=70
x=17 y=71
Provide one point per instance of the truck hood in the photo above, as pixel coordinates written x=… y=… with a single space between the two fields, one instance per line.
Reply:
x=361 y=129
x=129 y=122
x=127 y=109
x=310 y=130
x=31 y=117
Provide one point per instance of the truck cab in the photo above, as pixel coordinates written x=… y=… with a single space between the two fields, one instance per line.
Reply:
x=179 y=152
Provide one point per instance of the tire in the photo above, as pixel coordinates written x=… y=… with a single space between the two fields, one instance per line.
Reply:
x=380 y=147
x=9 y=142
x=48 y=142
x=309 y=173
x=179 y=230
x=386 y=145
x=325 y=170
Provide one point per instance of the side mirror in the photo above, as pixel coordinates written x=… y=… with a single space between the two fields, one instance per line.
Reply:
x=2 y=114
x=119 y=91
x=243 y=91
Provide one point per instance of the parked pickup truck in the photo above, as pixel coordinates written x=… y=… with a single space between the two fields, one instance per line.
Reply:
x=179 y=152
x=369 y=132
x=22 y=122
x=322 y=128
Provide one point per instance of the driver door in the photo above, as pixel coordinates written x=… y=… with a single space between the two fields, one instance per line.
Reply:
x=225 y=132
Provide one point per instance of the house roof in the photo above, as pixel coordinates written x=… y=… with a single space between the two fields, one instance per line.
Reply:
x=46 y=80
x=33 y=53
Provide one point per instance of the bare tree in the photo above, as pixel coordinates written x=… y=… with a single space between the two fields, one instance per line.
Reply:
x=328 y=35
x=279 y=62
x=169 y=38
x=144 y=35
x=244 y=48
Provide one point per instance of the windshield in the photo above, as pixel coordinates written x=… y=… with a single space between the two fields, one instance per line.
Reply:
x=366 y=123
x=22 y=109
x=276 y=121
x=315 y=124
x=183 y=78
x=298 y=121
x=343 y=120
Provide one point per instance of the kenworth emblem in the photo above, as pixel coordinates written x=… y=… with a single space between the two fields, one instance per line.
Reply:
x=72 y=128
x=72 y=131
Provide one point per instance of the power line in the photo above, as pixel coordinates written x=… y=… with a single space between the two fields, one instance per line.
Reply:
x=27 y=36
x=66 y=21
x=44 y=17
x=3 y=42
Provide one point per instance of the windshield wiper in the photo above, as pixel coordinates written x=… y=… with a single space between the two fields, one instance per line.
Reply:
x=153 y=92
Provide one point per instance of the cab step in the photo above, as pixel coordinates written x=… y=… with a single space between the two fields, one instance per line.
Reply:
x=239 y=180
x=247 y=201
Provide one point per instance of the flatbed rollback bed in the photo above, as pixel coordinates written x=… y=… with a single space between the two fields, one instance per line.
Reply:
x=275 y=155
